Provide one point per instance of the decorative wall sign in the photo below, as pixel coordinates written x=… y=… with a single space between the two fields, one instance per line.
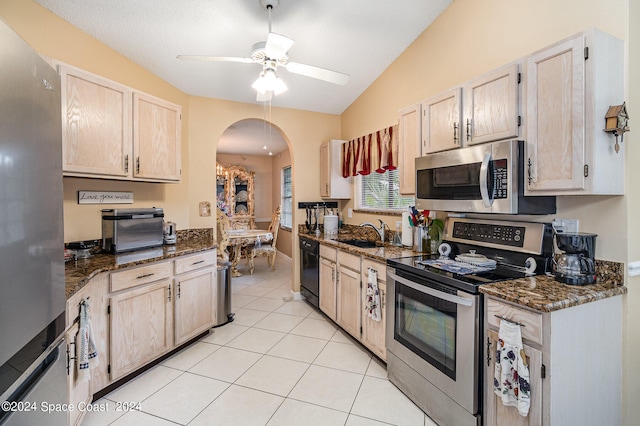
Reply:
x=104 y=197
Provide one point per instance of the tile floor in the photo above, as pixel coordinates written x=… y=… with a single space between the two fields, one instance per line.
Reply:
x=278 y=363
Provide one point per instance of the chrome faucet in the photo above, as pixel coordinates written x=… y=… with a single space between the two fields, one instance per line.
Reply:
x=380 y=230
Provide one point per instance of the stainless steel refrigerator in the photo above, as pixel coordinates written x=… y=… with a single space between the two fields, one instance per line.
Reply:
x=32 y=295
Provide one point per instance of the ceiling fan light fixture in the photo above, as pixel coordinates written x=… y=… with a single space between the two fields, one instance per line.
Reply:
x=268 y=81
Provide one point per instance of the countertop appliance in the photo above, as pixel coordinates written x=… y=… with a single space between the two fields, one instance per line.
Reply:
x=32 y=290
x=435 y=311
x=170 y=233
x=132 y=229
x=310 y=270
x=576 y=266
x=486 y=178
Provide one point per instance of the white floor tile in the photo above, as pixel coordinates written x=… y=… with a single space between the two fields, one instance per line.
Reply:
x=256 y=340
x=278 y=322
x=379 y=399
x=342 y=336
x=241 y=300
x=344 y=356
x=298 y=348
x=279 y=293
x=184 y=398
x=226 y=364
x=139 y=418
x=190 y=356
x=315 y=314
x=237 y=288
x=320 y=329
x=102 y=418
x=224 y=334
x=362 y=421
x=293 y=412
x=298 y=308
x=144 y=385
x=248 y=317
x=273 y=375
x=377 y=368
x=328 y=387
x=239 y=406
x=265 y=304
x=255 y=290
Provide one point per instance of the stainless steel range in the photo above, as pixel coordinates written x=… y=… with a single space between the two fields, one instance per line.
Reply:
x=435 y=311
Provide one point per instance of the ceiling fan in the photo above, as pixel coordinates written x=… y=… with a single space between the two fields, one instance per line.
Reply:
x=272 y=54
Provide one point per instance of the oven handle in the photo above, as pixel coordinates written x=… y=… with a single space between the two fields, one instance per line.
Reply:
x=484 y=183
x=428 y=290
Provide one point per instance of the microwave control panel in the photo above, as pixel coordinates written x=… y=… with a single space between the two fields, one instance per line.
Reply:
x=500 y=178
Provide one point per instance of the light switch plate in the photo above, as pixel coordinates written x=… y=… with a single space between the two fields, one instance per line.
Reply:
x=566 y=226
x=349 y=213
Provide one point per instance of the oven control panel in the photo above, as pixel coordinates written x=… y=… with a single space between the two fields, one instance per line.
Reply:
x=502 y=234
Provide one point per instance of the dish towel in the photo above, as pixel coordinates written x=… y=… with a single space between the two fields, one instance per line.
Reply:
x=511 y=379
x=373 y=296
x=86 y=348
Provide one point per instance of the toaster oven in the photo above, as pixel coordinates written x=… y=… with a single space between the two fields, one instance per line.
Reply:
x=132 y=229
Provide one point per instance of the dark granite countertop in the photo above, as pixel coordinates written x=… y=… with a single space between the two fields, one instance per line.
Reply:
x=543 y=293
x=79 y=272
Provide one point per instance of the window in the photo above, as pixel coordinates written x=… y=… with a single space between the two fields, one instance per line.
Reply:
x=380 y=191
x=286 y=211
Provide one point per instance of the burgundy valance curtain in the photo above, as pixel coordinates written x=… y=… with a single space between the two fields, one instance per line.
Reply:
x=375 y=152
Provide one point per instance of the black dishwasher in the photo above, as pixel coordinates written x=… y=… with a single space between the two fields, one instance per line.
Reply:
x=309 y=270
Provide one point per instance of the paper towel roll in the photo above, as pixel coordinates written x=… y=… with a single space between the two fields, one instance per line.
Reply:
x=407 y=232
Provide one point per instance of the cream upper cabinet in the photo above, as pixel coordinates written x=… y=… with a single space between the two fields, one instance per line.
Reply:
x=156 y=138
x=96 y=125
x=441 y=116
x=332 y=184
x=570 y=87
x=491 y=106
x=111 y=131
x=410 y=134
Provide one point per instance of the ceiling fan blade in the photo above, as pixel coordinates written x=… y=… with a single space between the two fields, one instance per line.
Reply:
x=264 y=97
x=277 y=45
x=317 y=72
x=214 y=59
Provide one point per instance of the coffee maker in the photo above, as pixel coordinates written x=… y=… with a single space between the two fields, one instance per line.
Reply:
x=576 y=266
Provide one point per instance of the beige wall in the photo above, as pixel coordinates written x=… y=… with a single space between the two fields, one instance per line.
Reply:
x=472 y=37
x=285 y=238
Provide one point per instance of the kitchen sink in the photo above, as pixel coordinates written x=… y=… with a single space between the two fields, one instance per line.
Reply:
x=359 y=243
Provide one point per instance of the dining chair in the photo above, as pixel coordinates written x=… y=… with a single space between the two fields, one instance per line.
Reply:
x=267 y=249
x=222 y=234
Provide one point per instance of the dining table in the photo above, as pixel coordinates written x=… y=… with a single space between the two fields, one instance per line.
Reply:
x=239 y=238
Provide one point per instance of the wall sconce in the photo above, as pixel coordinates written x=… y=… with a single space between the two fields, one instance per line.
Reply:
x=616 y=122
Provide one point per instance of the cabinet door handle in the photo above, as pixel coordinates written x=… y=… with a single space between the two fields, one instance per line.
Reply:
x=178 y=294
x=169 y=289
x=382 y=299
x=468 y=130
x=529 y=167
x=455 y=133
x=198 y=262
x=126 y=163
x=137 y=165
x=488 y=351
x=145 y=276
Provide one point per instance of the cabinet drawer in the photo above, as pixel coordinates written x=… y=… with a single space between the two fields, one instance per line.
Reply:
x=350 y=261
x=197 y=261
x=142 y=275
x=532 y=321
x=328 y=252
x=380 y=268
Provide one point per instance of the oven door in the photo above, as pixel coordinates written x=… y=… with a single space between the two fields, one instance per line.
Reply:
x=435 y=330
x=478 y=179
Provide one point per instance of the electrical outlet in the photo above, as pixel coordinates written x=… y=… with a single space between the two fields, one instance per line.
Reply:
x=349 y=213
x=566 y=226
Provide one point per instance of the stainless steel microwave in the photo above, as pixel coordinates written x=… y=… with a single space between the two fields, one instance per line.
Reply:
x=487 y=178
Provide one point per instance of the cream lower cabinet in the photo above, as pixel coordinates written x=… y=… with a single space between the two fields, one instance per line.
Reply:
x=569 y=351
x=141 y=326
x=195 y=296
x=327 y=286
x=373 y=332
x=79 y=390
x=349 y=306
